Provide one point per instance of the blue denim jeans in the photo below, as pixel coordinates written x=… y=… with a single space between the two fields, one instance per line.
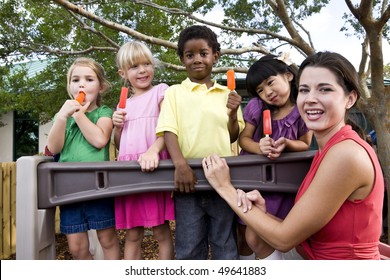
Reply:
x=203 y=219
x=82 y=216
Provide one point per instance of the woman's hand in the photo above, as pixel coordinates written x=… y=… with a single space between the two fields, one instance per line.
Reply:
x=247 y=200
x=242 y=201
x=216 y=171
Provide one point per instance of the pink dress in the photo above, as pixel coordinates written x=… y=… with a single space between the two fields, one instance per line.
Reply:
x=354 y=232
x=138 y=134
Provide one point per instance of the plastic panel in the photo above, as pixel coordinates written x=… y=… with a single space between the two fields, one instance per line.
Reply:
x=63 y=183
x=35 y=228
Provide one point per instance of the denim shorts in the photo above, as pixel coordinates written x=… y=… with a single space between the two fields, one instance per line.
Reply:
x=203 y=220
x=83 y=216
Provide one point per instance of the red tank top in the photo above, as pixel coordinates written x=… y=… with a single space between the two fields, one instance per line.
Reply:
x=354 y=231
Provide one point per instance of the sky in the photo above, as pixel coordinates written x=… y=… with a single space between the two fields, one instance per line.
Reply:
x=325 y=31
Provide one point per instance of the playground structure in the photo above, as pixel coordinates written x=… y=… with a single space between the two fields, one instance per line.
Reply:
x=43 y=184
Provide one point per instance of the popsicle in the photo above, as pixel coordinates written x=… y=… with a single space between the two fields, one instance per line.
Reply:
x=80 y=97
x=123 y=97
x=267 y=125
x=231 y=80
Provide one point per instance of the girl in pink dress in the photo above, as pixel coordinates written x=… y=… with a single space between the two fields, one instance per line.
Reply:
x=135 y=137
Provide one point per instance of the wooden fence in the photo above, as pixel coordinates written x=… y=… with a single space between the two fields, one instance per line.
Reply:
x=8 y=209
x=8 y=206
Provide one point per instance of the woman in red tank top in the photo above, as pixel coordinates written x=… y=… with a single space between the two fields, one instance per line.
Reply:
x=337 y=211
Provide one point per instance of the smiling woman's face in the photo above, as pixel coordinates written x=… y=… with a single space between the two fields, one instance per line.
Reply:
x=322 y=101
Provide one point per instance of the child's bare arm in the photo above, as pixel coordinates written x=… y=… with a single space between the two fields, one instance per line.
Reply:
x=249 y=145
x=118 y=120
x=56 y=137
x=97 y=134
x=233 y=103
x=287 y=145
x=185 y=178
x=150 y=159
x=299 y=145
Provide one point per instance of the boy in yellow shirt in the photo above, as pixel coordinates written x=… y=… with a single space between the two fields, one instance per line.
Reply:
x=199 y=117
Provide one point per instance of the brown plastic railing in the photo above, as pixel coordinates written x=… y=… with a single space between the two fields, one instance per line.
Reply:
x=62 y=183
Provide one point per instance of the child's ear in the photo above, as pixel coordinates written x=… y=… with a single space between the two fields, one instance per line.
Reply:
x=121 y=73
x=216 y=57
x=290 y=76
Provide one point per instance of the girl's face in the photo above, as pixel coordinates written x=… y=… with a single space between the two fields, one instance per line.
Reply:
x=85 y=79
x=321 y=101
x=140 y=76
x=198 y=59
x=276 y=90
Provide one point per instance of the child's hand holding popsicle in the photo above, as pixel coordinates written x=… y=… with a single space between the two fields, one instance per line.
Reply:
x=234 y=99
x=118 y=118
x=70 y=107
x=233 y=104
x=266 y=142
x=272 y=149
x=84 y=105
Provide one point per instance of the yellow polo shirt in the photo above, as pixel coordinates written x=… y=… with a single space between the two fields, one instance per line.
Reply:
x=198 y=116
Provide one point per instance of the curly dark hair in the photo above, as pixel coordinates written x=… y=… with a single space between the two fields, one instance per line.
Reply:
x=198 y=32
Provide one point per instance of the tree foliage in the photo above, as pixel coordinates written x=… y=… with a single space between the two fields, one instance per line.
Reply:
x=386 y=71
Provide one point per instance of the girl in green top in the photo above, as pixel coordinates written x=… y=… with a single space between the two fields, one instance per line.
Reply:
x=81 y=132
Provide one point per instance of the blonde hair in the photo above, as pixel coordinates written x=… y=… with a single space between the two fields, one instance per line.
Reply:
x=132 y=53
x=97 y=68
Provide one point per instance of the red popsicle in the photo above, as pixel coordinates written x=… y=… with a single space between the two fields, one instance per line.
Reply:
x=267 y=125
x=123 y=98
x=80 y=97
x=231 y=80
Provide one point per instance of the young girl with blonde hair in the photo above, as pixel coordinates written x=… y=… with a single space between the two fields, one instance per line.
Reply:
x=135 y=137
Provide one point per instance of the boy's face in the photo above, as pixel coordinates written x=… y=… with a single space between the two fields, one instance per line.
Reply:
x=198 y=59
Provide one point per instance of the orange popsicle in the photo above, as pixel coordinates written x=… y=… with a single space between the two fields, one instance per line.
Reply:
x=123 y=98
x=267 y=125
x=231 y=80
x=80 y=98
